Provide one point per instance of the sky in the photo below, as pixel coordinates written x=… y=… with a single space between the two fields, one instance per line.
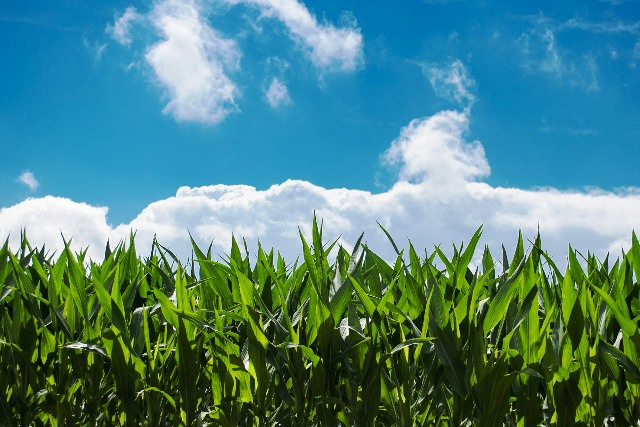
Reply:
x=244 y=117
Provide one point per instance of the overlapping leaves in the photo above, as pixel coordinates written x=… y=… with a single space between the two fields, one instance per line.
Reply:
x=335 y=338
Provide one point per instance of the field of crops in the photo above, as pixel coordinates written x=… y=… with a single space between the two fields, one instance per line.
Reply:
x=345 y=339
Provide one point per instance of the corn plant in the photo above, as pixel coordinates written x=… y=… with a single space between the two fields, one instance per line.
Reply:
x=346 y=339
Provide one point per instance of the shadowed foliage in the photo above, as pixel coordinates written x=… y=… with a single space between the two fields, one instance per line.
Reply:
x=349 y=339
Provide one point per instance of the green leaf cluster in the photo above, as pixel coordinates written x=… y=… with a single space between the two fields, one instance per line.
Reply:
x=349 y=339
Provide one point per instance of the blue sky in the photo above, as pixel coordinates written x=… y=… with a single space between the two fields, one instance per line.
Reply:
x=119 y=105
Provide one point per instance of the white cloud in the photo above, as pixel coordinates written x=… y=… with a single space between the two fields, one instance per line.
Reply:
x=541 y=53
x=47 y=217
x=437 y=200
x=602 y=27
x=551 y=62
x=96 y=49
x=121 y=28
x=277 y=94
x=591 y=83
x=191 y=63
x=329 y=47
x=572 y=131
x=539 y=47
x=618 y=2
x=29 y=179
x=451 y=81
x=433 y=151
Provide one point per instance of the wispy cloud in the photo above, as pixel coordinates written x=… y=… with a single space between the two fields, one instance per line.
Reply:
x=97 y=49
x=277 y=94
x=541 y=53
x=329 y=47
x=540 y=49
x=572 y=131
x=440 y=1
x=613 y=27
x=29 y=179
x=451 y=81
x=618 y=2
x=591 y=82
x=121 y=28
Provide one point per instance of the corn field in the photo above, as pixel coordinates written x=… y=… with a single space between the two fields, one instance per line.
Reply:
x=347 y=339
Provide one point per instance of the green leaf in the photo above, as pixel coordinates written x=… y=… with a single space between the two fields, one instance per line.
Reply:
x=187 y=376
x=448 y=355
x=409 y=342
x=307 y=351
x=123 y=373
x=466 y=256
x=628 y=326
x=631 y=371
x=340 y=299
x=500 y=303
x=167 y=307
x=94 y=348
x=77 y=285
x=369 y=306
x=6 y=415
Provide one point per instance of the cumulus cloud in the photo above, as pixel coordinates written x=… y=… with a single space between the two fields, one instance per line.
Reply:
x=29 y=179
x=195 y=64
x=438 y=199
x=328 y=46
x=433 y=151
x=451 y=81
x=120 y=29
x=277 y=94
x=191 y=63
x=47 y=217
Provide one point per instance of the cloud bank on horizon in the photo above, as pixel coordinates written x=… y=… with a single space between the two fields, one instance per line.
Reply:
x=438 y=198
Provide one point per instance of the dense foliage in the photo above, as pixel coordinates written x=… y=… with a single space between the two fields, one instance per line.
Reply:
x=344 y=340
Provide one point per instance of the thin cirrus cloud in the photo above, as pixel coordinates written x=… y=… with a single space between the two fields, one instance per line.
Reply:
x=29 y=179
x=612 y=27
x=120 y=30
x=619 y=2
x=438 y=198
x=277 y=94
x=195 y=64
x=542 y=52
x=451 y=81
x=539 y=48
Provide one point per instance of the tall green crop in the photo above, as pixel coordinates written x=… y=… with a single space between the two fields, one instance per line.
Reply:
x=348 y=339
